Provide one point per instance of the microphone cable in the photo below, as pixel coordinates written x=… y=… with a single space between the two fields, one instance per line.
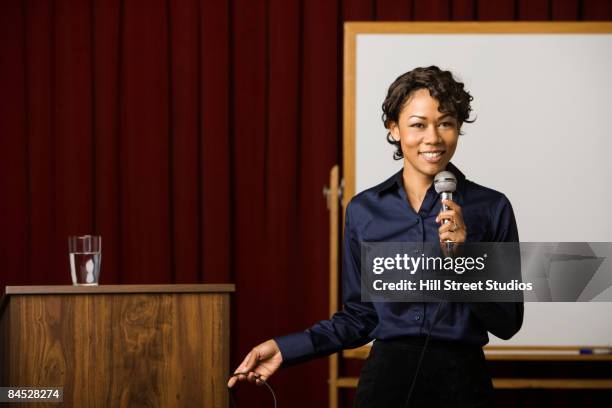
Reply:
x=231 y=394
x=418 y=367
x=414 y=378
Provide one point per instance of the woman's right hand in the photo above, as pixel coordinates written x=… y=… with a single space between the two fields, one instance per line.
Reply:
x=261 y=362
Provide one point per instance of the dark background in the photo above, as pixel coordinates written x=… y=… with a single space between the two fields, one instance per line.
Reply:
x=195 y=136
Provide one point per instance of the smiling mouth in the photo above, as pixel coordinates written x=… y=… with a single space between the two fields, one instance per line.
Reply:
x=432 y=157
x=433 y=154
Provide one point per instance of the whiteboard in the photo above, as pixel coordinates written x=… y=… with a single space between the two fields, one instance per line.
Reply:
x=543 y=134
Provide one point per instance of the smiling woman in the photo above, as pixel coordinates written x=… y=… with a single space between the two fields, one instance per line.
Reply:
x=423 y=113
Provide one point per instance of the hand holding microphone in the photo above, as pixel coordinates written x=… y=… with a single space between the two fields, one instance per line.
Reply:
x=452 y=228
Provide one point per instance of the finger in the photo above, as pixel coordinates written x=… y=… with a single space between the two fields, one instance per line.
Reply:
x=448 y=235
x=253 y=376
x=447 y=220
x=452 y=205
x=235 y=378
x=445 y=215
x=453 y=217
x=449 y=226
x=456 y=237
x=261 y=379
x=231 y=382
x=242 y=366
x=251 y=361
x=452 y=225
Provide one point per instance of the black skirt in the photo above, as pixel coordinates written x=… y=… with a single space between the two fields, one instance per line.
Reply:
x=451 y=375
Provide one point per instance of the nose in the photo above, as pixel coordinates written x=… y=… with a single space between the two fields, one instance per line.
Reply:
x=432 y=136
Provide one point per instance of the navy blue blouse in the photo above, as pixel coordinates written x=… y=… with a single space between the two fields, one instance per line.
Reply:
x=383 y=213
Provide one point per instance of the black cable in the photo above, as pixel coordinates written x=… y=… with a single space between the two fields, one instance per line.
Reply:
x=414 y=378
x=233 y=401
x=418 y=367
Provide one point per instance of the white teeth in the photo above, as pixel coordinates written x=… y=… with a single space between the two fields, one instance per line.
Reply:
x=431 y=154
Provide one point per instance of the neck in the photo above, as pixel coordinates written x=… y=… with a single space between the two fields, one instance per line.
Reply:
x=416 y=185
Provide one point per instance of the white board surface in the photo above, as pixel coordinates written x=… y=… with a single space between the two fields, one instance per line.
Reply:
x=543 y=137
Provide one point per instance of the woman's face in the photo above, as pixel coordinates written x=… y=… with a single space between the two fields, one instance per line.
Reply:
x=428 y=137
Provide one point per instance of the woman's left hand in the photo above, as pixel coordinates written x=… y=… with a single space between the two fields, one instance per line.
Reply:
x=455 y=230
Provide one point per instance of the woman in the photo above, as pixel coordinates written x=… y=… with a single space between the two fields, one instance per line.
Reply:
x=424 y=353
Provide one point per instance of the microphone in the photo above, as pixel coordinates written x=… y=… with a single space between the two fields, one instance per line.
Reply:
x=445 y=184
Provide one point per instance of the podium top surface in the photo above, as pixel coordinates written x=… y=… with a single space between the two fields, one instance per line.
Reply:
x=70 y=289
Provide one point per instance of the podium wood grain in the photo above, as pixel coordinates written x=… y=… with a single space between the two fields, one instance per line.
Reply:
x=122 y=349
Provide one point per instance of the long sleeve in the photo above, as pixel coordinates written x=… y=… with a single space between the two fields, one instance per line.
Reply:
x=505 y=319
x=347 y=328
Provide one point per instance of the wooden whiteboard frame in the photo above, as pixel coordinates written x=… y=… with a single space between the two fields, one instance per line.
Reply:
x=352 y=29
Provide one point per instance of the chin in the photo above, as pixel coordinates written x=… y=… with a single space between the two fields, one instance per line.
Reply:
x=426 y=168
x=431 y=169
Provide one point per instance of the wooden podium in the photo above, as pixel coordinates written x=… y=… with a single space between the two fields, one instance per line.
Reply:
x=119 y=345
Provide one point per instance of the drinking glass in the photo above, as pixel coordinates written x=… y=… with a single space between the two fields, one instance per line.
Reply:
x=85 y=254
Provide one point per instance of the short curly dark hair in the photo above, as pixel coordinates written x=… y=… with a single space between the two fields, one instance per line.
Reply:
x=449 y=93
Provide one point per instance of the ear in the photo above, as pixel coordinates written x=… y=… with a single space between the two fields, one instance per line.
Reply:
x=394 y=130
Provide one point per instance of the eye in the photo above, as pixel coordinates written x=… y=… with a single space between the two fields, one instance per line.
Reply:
x=447 y=124
x=417 y=125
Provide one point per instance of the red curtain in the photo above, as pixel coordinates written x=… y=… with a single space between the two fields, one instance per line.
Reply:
x=195 y=136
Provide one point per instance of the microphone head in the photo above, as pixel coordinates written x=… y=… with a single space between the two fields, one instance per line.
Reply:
x=445 y=182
